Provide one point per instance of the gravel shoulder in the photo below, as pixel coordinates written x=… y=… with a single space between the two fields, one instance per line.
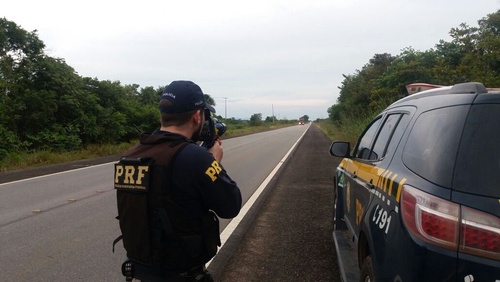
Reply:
x=287 y=235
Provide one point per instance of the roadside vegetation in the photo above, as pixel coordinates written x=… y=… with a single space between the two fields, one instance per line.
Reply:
x=28 y=159
x=343 y=131
x=50 y=114
x=472 y=55
x=22 y=160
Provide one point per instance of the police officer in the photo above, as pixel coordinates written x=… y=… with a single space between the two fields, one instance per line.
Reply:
x=167 y=190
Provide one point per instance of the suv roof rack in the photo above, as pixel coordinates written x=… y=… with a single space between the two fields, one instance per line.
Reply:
x=468 y=88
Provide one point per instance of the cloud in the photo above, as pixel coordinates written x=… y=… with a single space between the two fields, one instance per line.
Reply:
x=260 y=55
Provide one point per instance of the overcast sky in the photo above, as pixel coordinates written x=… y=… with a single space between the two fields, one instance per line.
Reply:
x=281 y=57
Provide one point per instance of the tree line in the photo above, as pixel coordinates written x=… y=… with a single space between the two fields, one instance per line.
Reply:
x=46 y=105
x=473 y=54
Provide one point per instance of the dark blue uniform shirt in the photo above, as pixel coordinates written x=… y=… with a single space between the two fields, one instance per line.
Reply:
x=199 y=183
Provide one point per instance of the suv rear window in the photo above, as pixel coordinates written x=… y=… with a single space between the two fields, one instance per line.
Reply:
x=432 y=146
x=478 y=162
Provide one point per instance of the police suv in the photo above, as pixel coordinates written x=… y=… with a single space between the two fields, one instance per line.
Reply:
x=418 y=199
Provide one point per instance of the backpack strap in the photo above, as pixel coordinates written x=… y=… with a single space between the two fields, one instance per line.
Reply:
x=116 y=241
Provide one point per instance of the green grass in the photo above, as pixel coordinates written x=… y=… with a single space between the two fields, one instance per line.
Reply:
x=21 y=160
x=239 y=130
x=348 y=130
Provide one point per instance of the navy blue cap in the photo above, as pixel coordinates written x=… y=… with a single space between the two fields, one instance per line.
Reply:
x=184 y=96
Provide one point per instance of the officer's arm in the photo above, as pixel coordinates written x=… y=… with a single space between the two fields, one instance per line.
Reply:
x=216 y=150
x=220 y=192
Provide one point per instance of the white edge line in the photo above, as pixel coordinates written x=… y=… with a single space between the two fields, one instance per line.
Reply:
x=233 y=224
x=48 y=175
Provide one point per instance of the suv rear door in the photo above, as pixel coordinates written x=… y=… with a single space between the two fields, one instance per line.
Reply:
x=371 y=157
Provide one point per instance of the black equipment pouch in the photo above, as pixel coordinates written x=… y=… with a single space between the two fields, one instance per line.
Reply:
x=203 y=246
x=210 y=223
x=128 y=270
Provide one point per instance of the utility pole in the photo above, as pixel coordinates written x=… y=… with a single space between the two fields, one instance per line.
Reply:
x=272 y=107
x=225 y=107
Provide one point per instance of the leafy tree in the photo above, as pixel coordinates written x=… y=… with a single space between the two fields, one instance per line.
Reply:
x=270 y=119
x=472 y=55
x=449 y=58
x=353 y=97
x=45 y=104
x=484 y=58
x=209 y=100
x=149 y=95
x=409 y=67
x=256 y=119
x=66 y=107
x=9 y=142
x=18 y=48
x=336 y=112
x=19 y=52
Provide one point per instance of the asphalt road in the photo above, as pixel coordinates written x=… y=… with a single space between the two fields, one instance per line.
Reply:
x=60 y=229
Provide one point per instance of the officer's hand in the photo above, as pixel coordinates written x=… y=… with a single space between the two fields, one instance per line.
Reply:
x=216 y=150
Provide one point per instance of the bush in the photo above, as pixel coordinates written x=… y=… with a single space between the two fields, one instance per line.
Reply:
x=58 y=138
x=8 y=142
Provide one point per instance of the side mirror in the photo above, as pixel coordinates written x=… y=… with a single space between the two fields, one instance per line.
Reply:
x=340 y=149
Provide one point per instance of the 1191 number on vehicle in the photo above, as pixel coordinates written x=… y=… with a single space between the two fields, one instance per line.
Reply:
x=382 y=218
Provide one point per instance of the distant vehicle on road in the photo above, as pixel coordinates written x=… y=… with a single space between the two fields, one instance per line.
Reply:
x=418 y=199
x=301 y=121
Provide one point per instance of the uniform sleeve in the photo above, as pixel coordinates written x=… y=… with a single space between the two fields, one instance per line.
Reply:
x=206 y=182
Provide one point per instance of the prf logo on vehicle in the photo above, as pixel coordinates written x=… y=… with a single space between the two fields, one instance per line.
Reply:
x=132 y=177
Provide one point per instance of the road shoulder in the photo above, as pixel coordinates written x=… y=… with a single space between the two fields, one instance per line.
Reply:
x=287 y=236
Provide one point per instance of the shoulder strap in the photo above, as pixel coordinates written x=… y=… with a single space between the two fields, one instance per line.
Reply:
x=153 y=139
x=116 y=241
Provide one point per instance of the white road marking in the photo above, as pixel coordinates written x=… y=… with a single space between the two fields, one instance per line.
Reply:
x=228 y=231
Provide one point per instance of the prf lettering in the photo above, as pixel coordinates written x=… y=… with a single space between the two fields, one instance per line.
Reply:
x=213 y=170
x=130 y=174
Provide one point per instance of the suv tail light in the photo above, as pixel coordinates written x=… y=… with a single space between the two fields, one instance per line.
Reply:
x=480 y=234
x=449 y=225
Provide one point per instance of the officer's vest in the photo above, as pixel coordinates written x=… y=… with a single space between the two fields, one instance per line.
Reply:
x=155 y=230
